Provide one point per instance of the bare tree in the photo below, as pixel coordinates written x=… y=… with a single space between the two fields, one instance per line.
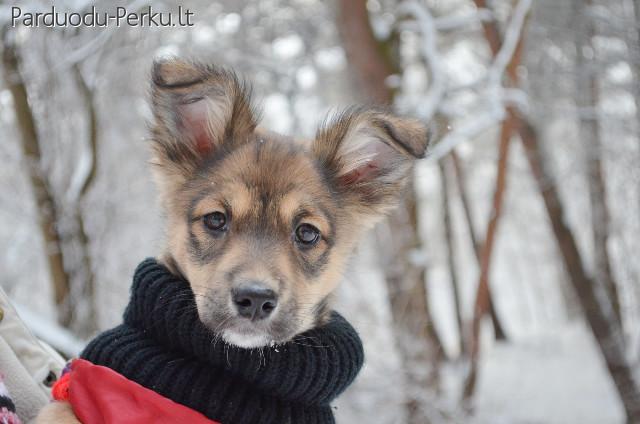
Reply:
x=46 y=208
x=418 y=341
x=72 y=279
x=595 y=302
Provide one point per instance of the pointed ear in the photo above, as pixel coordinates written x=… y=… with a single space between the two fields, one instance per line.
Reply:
x=368 y=156
x=197 y=110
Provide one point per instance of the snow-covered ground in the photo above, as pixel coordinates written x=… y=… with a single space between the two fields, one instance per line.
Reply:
x=556 y=377
x=545 y=374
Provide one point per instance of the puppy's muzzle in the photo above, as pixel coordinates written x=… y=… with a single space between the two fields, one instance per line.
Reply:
x=254 y=301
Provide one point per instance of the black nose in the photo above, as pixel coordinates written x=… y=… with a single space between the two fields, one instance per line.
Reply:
x=254 y=302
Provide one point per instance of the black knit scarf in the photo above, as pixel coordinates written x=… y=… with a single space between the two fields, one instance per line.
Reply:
x=163 y=346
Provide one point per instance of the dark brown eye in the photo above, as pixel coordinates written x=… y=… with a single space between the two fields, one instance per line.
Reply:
x=307 y=234
x=215 y=221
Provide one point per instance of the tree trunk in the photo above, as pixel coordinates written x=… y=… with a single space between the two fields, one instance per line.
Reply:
x=364 y=53
x=418 y=342
x=498 y=329
x=44 y=200
x=482 y=295
x=587 y=102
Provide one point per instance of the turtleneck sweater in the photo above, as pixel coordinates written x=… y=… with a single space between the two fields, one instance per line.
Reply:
x=163 y=346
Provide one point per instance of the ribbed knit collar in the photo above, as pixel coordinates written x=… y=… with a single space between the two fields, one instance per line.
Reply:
x=163 y=345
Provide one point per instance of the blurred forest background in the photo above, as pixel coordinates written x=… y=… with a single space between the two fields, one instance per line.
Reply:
x=504 y=290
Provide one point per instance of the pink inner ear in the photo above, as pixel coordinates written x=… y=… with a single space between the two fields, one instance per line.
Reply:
x=370 y=159
x=195 y=122
x=365 y=172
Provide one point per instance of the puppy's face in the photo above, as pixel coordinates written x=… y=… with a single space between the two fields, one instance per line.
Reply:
x=260 y=225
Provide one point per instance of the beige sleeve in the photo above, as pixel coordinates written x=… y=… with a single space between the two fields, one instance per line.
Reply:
x=25 y=363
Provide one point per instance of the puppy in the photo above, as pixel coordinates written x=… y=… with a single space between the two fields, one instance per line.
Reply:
x=259 y=224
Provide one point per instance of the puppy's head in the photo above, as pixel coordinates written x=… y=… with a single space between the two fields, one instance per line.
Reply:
x=260 y=225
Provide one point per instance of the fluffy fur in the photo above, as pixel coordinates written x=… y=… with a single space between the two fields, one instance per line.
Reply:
x=210 y=156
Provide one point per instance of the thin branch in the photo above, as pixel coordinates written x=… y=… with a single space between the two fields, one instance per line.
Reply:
x=464 y=199
x=482 y=295
x=451 y=260
x=452 y=22
x=449 y=23
x=86 y=171
x=498 y=328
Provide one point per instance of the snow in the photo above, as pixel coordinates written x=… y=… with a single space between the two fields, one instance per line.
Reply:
x=275 y=113
x=288 y=47
x=556 y=377
x=620 y=73
x=331 y=59
x=229 y=23
x=204 y=35
x=306 y=77
x=168 y=50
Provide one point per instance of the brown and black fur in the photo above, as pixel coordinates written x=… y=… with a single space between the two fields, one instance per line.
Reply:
x=210 y=155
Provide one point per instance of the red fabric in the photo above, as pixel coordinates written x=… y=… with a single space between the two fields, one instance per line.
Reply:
x=99 y=395
x=60 y=390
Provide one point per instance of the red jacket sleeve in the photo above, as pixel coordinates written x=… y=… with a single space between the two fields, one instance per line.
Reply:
x=99 y=395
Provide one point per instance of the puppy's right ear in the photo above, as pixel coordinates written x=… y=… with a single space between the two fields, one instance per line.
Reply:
x=197 y=111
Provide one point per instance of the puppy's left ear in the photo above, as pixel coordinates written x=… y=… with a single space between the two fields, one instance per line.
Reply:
x=368 y=156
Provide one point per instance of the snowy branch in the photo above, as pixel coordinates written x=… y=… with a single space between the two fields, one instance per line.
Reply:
x=85 y=173
x=494 y=96
x=427 y=109
x=511 y=39
x=470 y=129
x=449 y=23
x=453 y=22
